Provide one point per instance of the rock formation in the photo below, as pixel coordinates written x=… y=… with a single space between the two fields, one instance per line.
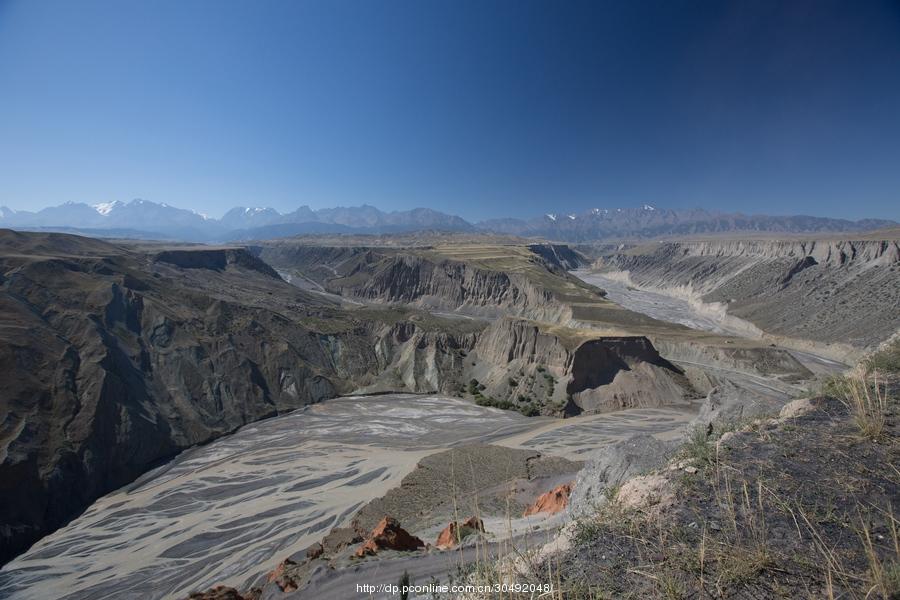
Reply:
x=456 y=532
x=433 y=279
x=567 y=371
x=222 y=592
x=551 y=502
x=388 y=535
x=284 y=582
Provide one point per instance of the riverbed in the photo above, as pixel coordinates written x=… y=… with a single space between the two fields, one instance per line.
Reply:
x=225 y=512
x=694 y=314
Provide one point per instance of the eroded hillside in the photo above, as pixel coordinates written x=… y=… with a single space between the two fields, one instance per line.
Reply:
x=115 y=358
x=845 y=293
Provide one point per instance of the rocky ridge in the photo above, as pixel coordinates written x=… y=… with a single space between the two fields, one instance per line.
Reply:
x=433 y=279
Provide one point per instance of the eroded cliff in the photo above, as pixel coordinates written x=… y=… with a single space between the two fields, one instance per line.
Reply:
x=839 y=292
x=481 y=281
x=114 y=359
x=560 y=371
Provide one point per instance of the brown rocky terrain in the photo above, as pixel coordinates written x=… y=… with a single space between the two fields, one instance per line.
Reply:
x=552 y=502
x=455 y=532
x=388 y=535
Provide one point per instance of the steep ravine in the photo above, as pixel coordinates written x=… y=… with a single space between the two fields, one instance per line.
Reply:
x=117 y=358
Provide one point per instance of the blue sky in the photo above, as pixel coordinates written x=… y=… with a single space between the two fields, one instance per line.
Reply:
x=477 y=108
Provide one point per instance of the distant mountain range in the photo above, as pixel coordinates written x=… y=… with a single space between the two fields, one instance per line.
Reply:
x=150 y=220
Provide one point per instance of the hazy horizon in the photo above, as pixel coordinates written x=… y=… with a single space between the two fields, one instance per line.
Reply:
x=557 y=211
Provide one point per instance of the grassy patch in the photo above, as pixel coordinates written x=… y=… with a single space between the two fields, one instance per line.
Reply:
x=886 y=360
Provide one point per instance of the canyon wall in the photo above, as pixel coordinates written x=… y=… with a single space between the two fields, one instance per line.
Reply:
x=559 y=371
x=114 y=360
x=841 y=293
x=425 y=279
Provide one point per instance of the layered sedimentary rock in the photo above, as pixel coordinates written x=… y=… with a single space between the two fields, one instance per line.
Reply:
x=829 y=291
x=565 y=371
x=428 y=278
x=114 y=359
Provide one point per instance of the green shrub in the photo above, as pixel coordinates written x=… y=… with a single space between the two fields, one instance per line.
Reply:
x=529 y=410
x=886 y=360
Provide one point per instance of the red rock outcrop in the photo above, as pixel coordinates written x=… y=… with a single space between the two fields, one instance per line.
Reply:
x=552 y=502
x=455 y=532
x=284 y=582
x=389 y=535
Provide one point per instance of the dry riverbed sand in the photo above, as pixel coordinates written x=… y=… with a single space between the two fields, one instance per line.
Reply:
x=224 y=512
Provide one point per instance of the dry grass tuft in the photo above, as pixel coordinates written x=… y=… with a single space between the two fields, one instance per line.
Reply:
x=867 y=399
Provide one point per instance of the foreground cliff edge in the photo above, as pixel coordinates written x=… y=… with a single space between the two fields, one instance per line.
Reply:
x=794 y=503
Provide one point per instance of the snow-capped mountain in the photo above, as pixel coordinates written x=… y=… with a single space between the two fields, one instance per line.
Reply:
x=105 y=208
x=648 y=221
x=245 y=218
x=151 y=220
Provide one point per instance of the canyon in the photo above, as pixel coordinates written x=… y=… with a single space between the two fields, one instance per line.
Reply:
x=230 y=405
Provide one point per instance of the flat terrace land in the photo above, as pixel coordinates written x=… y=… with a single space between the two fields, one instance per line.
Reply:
x=399 y=240
x=593 y=315
x=519 y=259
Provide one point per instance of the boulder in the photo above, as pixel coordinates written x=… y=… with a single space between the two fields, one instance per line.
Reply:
x=338 y=539
x=456 y=532
x=552 y=502
x=315 y=551
x=653 y=492
x=390 y=536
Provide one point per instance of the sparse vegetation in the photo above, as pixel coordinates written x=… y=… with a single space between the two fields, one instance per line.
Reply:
x=698 y=446
x=867 y=399
x=769 y=516
x=886 y=360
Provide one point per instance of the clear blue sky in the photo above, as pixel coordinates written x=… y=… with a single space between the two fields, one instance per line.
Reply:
x=481 y=108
